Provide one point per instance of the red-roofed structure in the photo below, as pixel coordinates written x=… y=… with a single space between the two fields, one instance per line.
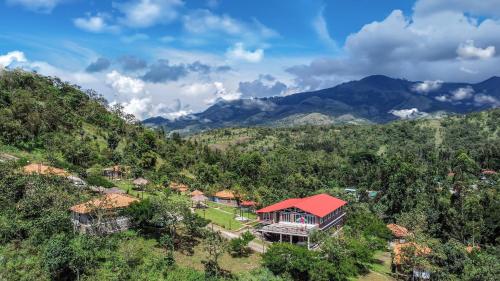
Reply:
x=294 y=219
x=319 y=205
x=248 y=203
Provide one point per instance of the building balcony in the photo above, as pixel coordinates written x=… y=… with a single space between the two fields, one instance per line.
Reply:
x=288 y=228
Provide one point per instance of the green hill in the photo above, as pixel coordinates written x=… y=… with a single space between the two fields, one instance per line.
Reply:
x=426 y=174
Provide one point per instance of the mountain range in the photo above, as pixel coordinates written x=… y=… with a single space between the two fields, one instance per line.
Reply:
x=374 y=99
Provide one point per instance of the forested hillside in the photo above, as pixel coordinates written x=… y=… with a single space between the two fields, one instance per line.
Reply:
x=427 y=174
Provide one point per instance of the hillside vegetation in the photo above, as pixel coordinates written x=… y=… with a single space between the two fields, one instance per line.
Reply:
x=428 y=175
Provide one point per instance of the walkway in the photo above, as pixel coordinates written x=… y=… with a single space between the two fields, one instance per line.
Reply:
x=256 y=247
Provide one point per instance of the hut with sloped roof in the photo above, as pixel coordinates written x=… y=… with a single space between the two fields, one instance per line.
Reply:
x=102 y=215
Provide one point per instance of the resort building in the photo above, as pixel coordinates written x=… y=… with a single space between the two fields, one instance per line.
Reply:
x=115 y=172
x=399 y=233
x=102 y=215
x=402 y=264
x=293 y=220
x=225 y=197
x=140 y=183
x=196 y=193
x=179 y=187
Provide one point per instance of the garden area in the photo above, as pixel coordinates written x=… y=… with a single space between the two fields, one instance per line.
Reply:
x=225 y=216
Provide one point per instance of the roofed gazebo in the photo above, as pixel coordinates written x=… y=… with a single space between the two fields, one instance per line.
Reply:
x=102 y=215
x=225 y=197
x=196 y=193
x=179 y=187
x=140 y=182
x=199 y=201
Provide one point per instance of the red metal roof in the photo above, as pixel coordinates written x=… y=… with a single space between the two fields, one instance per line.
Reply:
x=248 y=203
x=319 y=205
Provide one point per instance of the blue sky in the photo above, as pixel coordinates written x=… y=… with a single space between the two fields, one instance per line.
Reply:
x=174 y=57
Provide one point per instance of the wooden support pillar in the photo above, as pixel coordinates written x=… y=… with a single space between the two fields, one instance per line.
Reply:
x=308 y=242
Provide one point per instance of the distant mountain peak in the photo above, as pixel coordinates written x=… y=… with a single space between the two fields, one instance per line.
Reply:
x=375 y=99
x=377 y=77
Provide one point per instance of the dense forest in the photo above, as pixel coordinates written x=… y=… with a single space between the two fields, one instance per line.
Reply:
x=427 y=174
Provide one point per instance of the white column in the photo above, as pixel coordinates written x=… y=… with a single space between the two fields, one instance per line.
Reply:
x=281 y=237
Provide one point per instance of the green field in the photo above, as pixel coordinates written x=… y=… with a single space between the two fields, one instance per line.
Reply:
x=232 y=210
x=220 y=218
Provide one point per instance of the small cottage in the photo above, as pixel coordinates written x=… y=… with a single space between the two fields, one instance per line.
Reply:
x=102 y=215
x=248 y=206
x=401 y=257
x=199 y=201
x=399 y=233
x=179 y=187
x=114 y=172
x=140 y=182
x=196 y=193
x=225 y=197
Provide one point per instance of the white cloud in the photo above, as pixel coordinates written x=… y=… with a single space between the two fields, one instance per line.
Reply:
x=427 y=86
x=321 y=28
x=205 y=23
x=462 y=93
x=202 y=21
x=139 y=107
x=238 y=52
x=482 y=99
x=467 y=50
x=198 y=89
x=479 y=7
x=11 y=57
x=468 y=70
x=135 y=37
x=95 y=24
x=408 y=113
x=124 y=84
x=442 y=98
x=177 y=114
x=146 y=13
x=422 y=46
x=221 y=93
x=43 y=6
x=167 y=39
x=457 y=95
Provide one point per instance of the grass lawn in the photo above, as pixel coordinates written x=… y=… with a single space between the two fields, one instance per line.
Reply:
x=227 y=262
x=127 y=185
x=232 y=210
x=380 y=270
x=220 y=218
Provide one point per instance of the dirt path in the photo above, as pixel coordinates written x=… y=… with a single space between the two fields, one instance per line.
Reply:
x=256 y=247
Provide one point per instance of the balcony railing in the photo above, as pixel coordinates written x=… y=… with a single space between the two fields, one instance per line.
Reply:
x=289 y=229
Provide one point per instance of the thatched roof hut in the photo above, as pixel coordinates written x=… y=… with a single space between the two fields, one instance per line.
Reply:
x=140 y=181
x=196 y=193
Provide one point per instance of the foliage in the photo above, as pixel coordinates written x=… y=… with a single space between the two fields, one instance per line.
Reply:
x=238 y=247
x=406 y=162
